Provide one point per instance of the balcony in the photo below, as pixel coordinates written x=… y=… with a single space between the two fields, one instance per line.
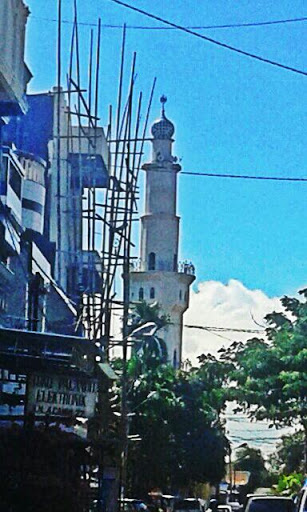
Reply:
x=183 y=267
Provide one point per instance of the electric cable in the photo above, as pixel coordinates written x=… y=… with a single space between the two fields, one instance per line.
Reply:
x=245 y=176
x=211 y=328
x=223 y=329
x=236 y=176
x=200 y=27
x=210 y=40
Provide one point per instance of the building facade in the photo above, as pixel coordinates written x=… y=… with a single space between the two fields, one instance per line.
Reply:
x=14 y=73
x=58 y=169
x=159 y=276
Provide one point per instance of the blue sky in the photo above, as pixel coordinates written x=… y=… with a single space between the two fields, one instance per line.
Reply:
x=232 y=115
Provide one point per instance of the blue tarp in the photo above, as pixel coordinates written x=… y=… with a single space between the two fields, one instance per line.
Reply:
x=32 y=132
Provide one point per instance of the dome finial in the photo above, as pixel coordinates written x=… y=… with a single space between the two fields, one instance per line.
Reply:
x=163 y=100
x=163 y=128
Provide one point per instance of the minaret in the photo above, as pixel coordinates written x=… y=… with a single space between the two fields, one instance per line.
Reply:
x=159 y=277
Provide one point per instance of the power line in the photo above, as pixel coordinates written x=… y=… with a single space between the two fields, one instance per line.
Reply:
x=216 y=331
x=209 y=39
x=224 y=329
x=296 y=179
x=200 y=27
x=244 y=176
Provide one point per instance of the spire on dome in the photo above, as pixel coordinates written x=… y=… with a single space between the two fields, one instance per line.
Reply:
x=163 y=128
x=163 y=100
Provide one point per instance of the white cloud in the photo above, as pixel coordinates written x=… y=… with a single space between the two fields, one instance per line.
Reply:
x=215 y=304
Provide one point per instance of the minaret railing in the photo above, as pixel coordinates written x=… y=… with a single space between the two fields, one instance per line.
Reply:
x=183 y=267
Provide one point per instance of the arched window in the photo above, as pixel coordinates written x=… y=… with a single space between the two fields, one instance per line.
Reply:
x=141 y=294
x=152 y=261
x=152 y=293
x=175 y=359
x=175 y=265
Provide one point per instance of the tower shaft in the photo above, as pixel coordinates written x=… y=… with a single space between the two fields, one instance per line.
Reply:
x=159 y=277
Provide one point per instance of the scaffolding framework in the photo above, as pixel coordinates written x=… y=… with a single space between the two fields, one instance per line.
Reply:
x=99 y=241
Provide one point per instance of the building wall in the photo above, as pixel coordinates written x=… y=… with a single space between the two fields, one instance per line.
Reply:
x=74 y=164
x=34 y=192
x=14 y=74
x=13 y=291
x=12 y=182
x=161 y=189
x=155 y=238
x=80 y=165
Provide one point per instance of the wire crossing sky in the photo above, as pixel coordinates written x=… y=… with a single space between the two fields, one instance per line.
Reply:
x=204 y=27
x=209 y=39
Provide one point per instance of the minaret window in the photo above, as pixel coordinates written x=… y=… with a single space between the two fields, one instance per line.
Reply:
x=152 y=261
x=152 y=293
x=141 y=294
x=175 y=268
x=175 y=359
x=180 y=295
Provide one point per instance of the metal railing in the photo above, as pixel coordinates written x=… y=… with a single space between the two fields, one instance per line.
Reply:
x=183 y=267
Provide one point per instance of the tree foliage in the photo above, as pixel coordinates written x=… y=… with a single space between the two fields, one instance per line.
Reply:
x=270 y=376
x=289 y=485
x=289 y=454
x=176 y=413
x=182 y=441
x=148 y=350
x=251 y=460
x=215 y=374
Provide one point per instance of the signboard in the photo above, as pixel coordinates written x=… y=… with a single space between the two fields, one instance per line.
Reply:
x=60 y=395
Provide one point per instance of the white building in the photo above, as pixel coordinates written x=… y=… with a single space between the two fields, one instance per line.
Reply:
x=158 y=276
x=79 y=162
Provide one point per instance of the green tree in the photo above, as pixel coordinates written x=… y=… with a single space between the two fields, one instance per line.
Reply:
x=270 y=376
x=289 y=454
x=215 y=374
x=251 y=460
x=289 y=484
x=175 y=413
x=182 y=442
x=148 y=349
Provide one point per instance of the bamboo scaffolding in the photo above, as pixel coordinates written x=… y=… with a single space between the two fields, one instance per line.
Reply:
x=100 y=240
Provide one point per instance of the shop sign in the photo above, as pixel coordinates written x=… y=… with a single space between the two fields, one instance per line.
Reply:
x=60 y=395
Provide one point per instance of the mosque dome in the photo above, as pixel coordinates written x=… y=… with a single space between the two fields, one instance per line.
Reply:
x=162 y=128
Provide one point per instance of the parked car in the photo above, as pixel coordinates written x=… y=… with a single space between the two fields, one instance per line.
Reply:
x=301 y=501
x=189 y=505
x=167 y=501
x=270 y=503
x=224 y=508
x=233 y=500
x=230 y=499
x=133 y=505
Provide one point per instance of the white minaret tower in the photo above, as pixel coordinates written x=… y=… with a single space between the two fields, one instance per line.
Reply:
x=159 y=277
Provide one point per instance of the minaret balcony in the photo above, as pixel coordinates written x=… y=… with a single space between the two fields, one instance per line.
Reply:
x=183 y=267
